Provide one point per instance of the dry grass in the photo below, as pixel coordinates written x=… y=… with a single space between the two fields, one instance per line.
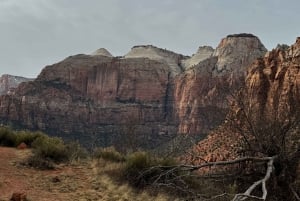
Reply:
x=88 y=180
x=107 y=172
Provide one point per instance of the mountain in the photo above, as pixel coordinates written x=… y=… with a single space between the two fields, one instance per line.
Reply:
x=151 y=93
x=9 y=82
x=272 y=89
x=202 y=91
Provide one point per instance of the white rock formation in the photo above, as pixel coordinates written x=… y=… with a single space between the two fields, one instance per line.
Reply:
x=102 y=52
x=148 y=51
x=204 y=52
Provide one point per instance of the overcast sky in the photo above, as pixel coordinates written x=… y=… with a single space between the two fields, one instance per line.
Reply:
x=36 y=33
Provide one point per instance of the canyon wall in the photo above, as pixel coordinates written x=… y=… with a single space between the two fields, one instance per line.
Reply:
x=202 y=92
x=98 y=97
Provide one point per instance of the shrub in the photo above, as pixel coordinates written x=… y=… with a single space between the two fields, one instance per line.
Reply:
x=7 y=137
x=109 y=154
x=27 y=137
x=48 y=151
x=75 y=151
x=52 y=149
x=38 y=161
x=11 y=138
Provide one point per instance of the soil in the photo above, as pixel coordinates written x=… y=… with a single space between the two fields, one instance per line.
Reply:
x=67 y=182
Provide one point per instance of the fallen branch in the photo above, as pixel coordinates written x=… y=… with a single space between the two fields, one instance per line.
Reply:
x=247 y=193
x=295 y=193
x=222 y=163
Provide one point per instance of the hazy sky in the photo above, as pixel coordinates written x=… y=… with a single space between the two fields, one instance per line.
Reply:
x=36 y=33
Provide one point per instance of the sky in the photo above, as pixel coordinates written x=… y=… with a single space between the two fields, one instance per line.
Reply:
x=36 y=33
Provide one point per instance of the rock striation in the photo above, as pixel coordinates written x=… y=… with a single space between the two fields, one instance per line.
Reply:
x=9 y=82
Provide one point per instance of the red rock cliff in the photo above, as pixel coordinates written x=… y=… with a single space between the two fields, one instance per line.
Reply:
x=94 y=95
x=272 y=87
x=201 y=92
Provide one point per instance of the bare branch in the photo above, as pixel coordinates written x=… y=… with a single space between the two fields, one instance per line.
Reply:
x=221 y=163
x=295 y=193
x=247 y=193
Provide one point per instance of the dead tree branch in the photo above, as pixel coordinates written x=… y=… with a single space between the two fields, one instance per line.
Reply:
x=247 y=193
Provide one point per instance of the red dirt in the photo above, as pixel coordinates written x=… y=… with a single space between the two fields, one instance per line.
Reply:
x=37 y=184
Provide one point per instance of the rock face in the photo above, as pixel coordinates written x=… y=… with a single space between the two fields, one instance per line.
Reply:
x=201 y=92
x=9 y=82
x=162 y=93
x=273 y=82
x=93 y=97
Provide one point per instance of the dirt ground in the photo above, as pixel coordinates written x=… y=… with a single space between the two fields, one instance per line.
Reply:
x=81 y=181
x=60 y=184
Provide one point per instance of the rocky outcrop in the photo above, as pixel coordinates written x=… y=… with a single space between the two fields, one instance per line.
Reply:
x=102 y=52
x=204 y=52
x=9 y=82
x=273 y=82
x=202 y=91
x=149 y=51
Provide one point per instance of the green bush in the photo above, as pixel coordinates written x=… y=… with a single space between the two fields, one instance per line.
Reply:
x=7 y=137
x=11 y=138
x=52 y=149
x=27 y=137
x=109 y=154
x=48 y=151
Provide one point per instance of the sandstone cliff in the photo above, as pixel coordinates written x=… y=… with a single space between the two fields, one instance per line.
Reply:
x=201 y=92
x=9 y=82
x=272 y=88
x=93 y=97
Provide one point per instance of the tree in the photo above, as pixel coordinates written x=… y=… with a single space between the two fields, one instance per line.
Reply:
x=270 y=146
x=270 y=130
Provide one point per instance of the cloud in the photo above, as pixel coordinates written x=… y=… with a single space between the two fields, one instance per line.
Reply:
x=35 y=33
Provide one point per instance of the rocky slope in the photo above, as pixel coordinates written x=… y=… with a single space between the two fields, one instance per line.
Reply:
x=202 y=91
x=160 y=92
x=9 y=82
